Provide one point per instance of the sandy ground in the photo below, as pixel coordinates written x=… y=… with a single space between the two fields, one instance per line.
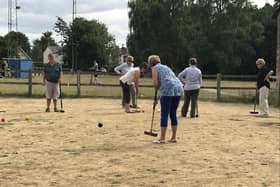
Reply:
x=225 y=146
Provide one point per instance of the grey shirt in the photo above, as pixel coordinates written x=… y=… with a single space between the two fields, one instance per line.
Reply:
x=191 y=77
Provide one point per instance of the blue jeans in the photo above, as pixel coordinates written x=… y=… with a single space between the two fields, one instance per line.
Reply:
x=169 y=105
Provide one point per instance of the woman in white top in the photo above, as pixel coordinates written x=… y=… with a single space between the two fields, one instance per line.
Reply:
x=123 y=69
x=131 y=77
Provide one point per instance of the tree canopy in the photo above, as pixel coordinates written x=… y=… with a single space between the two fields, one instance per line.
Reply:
x=10 y=42
x=226 y=36
x=91 y=41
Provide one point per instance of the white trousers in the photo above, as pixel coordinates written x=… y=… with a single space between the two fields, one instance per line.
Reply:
x=263 y=101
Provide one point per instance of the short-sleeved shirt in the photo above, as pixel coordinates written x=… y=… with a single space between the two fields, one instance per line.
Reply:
x=169 y=84
x=52 y=73
x=260 y=78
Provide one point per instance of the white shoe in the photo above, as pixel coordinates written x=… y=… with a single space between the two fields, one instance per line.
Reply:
x=263 y=115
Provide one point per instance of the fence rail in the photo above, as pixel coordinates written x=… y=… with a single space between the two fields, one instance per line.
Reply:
x=78 y=84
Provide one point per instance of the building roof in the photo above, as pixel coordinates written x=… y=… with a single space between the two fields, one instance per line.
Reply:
x=23 y=55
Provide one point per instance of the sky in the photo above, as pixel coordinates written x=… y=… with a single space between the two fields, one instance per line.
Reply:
x=38 y=16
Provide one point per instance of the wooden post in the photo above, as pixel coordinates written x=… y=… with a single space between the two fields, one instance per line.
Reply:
x=278 y=57
x=78 y=83
x=30 y=83
x=219 y=78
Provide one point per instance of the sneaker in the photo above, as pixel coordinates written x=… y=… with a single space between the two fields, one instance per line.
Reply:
x=47 y=110
x=172 y=141
x=263 y=115
x=134 y=106
x=159 y=141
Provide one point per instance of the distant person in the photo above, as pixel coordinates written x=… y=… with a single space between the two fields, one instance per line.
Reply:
x=2 y=68
x=122 y=69
x=263 y=86
x=51 y=79
x=95 y=66
x=171 y=91
x=131 y=77
x=191 y=78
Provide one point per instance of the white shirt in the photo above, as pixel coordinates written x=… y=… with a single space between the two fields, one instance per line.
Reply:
x=191 y=77
x=123 y=68
x=129 y=76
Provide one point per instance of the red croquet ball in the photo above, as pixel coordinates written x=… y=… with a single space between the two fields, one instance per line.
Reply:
x=2 y=119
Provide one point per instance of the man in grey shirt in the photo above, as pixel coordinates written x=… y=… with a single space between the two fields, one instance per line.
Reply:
x=191 y=77
x=123 y=69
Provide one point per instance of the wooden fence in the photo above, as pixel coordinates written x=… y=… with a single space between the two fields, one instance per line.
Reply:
x=218 y=77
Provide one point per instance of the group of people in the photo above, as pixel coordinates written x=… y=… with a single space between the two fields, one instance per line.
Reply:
x=171 y=88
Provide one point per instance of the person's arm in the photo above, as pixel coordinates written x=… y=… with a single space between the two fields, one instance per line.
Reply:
x=155 y=78
x=155 y=82
x=181 y=76
x=119 y=68
x=200 y=79
x=44 y=75
x=268 y=75
x=60 y=74
x=136 y=80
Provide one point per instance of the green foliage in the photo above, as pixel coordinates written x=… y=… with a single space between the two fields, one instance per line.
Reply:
x=13 y=40
x=91 y=41
x=3 y=48
x=226 y=36
x=40 y=45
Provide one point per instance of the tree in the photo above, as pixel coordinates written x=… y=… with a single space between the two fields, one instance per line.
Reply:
x=3 y=48
x=40 y=45
x=14 y=40
x=92 y=42
x=221 y=34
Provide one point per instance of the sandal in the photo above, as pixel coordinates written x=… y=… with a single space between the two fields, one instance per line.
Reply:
x=47 y=110
x=172 y=141
x=159 y=141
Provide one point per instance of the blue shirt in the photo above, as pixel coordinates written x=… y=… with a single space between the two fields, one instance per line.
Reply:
x=191 y=77
x=169 y=84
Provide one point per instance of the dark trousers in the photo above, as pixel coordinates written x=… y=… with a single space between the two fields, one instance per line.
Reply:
x=125 y=92
x=190 y=95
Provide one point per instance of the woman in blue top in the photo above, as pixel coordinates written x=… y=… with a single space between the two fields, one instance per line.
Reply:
x=171 y=91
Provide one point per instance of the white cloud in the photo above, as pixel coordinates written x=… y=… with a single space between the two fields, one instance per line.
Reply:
x=36 y=16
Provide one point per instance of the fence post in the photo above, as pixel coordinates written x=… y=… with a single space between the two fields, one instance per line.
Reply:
x=78 y=83
x=30 y=83
x=219 y=78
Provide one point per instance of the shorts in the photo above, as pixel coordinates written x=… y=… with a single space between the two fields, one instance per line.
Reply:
x=52 y=90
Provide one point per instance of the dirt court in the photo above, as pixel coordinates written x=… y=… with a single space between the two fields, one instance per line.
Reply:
x=225 y=146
